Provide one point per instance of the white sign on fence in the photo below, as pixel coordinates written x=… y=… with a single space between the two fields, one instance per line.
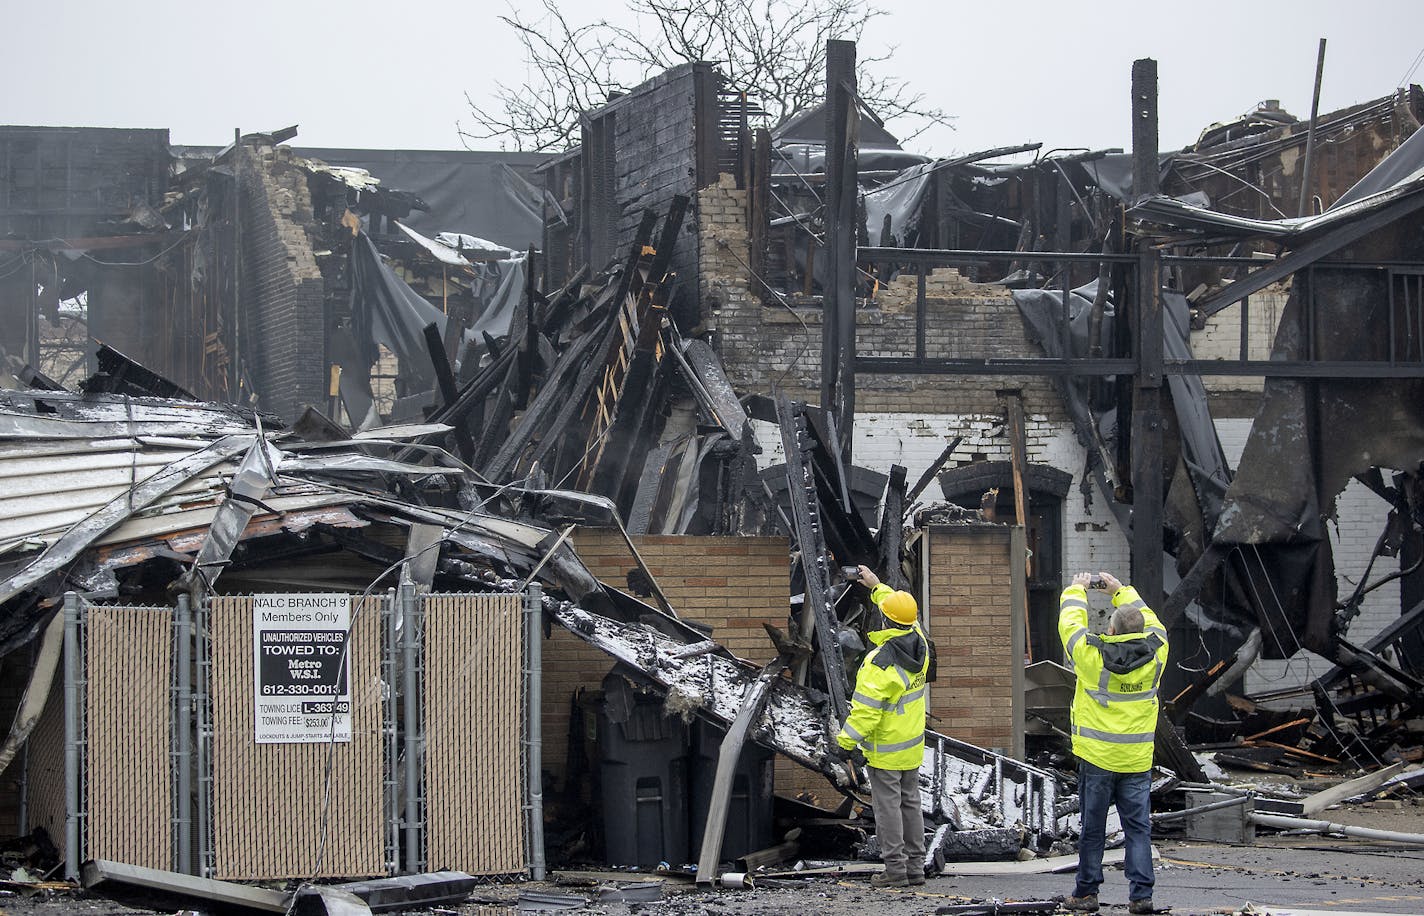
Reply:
x=302 y=670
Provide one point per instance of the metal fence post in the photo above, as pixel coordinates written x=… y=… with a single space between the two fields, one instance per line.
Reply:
x=533 y=750
x=71 y=736
x=207 y=855
x=183 y=754
x=405 y=595
x=392 y=780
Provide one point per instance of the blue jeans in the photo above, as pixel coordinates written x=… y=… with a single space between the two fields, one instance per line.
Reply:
x=1097 y=789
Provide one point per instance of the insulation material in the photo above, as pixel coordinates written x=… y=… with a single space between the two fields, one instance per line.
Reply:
x=268 y=798
x=473 y=728
x=128 y=658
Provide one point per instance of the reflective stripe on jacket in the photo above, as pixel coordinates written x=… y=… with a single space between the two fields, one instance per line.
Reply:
x=1115 y=702
x=887 y=710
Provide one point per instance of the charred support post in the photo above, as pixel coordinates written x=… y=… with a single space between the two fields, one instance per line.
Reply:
x=727 y=756
x=1310 y=134
x=838 y=326
x=1147 y=484
x=533 y=747
x=818 y=614
x=1018 y=453
x=1018 y=634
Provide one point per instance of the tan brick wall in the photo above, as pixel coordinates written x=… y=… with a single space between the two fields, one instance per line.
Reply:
x=1221 y=338
x=732 y=584
x=971 y=622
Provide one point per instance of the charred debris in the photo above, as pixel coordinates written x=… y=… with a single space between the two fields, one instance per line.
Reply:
x=337 y=396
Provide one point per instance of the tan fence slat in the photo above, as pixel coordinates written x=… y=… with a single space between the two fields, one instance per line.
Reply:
x=268 y=798
x=128 y=711
x=472 y=697
x=45 y=766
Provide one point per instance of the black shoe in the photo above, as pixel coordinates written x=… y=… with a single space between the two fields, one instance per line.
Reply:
x=1141 y=906
x=1088 y=903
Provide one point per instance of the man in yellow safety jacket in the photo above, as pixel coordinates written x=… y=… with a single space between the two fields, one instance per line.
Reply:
x=1114 y=727
x=887 y=724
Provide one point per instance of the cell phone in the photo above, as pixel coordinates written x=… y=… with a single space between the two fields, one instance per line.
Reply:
x=1097 y=582
x=851 y=573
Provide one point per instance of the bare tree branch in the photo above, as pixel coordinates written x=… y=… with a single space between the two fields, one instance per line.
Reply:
x=772 y=50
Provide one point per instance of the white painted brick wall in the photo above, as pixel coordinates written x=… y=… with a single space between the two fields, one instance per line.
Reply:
x=1092 y=539
x=1221 y=338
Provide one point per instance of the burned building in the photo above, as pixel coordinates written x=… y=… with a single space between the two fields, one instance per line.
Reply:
x=742 y=361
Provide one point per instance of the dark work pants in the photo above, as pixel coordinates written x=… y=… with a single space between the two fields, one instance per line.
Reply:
x=1097 y=789
x=899 y=822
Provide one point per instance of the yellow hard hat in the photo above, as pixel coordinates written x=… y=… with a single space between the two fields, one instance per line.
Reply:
x=900 y=607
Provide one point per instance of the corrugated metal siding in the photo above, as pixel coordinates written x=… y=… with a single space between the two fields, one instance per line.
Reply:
x=268 y=798
x=474 y=718
x=44 y=496
x=128 y=655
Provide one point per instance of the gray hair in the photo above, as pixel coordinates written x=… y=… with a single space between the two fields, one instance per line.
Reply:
x=1126 y=620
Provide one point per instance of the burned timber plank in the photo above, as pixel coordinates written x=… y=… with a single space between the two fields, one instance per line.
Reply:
x=818 y=614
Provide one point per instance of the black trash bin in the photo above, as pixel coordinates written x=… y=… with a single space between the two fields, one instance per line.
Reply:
x=749 y=814
x=643 y=779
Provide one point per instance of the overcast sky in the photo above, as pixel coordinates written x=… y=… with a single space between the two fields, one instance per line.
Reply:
x=393 y=75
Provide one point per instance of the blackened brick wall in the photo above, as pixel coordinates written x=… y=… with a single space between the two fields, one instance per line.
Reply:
x=284 y=341
x=657 y=130
x=765 y=347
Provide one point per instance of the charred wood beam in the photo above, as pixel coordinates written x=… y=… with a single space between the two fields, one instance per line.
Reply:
x=757 y=214
x=842 y=223
x=710 y=385
x=1309 y=253
x=891 y=537
x=449 y=390
x=1191 y=585
x=1146 y=432
x=528 y=349
x=556 y=398
x=617 y=456
x=818 y=615
x=118 y=374
x=932 y=471
x=1018 y=452
x=555 y=309
x=667 y=243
